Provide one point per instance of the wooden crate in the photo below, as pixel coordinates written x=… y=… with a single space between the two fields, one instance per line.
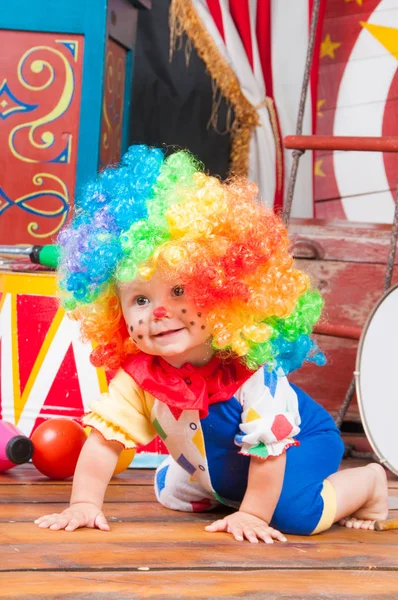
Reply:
x=347 y=262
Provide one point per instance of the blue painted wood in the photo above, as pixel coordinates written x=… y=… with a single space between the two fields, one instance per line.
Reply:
x=147 y=460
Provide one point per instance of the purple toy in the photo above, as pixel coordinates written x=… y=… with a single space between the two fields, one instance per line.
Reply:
x=15 y=448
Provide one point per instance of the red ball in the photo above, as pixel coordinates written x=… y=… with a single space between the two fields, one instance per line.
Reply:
x=57 y=444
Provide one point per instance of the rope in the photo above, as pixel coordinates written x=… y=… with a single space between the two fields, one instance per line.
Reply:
x=300 y=117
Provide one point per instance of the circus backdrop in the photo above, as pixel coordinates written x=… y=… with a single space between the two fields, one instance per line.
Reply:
x=227 y=87
x=357 y=95
x=252 y=53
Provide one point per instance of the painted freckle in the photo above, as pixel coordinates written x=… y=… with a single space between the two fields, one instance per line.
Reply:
x=184 y=310
x=203 y=327
x=140 y=322
x=140 y=337
x=192 y=322
x=199 y=314
x=131 y=328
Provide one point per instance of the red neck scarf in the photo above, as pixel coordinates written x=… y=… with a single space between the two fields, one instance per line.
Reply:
x=189 y=387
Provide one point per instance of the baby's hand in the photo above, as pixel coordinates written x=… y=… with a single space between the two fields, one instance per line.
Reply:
x=243 y=525
x=82 y=514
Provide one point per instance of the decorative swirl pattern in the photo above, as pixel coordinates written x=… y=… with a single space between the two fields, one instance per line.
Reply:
x=39 y=66
x=106 y=123
x=26 y=203
x=112 y=106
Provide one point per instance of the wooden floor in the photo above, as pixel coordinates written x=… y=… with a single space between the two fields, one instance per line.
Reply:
x=159 y=554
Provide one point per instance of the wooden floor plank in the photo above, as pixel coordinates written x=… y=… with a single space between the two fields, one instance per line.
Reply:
x=225 y=585
x=191 y=531
x=106 y=555
x=57 y=493
x=115 y=511
x=188 y=546
x=23 y=494
x=28 y=474
x=184 y=560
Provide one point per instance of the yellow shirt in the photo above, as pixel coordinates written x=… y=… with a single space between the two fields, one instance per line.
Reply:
x=123 y=413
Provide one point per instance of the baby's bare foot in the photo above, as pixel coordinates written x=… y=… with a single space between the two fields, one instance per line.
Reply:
x=377 y=506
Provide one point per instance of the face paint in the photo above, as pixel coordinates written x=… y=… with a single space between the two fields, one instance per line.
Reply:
x=160 y=314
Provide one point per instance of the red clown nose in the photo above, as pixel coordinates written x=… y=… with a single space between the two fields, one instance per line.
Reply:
x=159 y=312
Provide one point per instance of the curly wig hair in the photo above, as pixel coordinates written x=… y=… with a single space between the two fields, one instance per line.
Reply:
x=216 y=238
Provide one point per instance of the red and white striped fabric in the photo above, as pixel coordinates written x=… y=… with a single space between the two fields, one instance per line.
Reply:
x=265 y=43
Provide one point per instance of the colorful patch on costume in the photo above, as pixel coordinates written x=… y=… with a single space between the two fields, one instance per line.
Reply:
x=281 y=427
x=260 y=450
x=161 y=478
x=252 y=415
x=201 y=505
x=185 y=464
x=199 y=442
x=271 y=381
x=175 y=411
x=161 y=433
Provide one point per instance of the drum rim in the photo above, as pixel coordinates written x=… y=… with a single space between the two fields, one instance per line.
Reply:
x=357 y=374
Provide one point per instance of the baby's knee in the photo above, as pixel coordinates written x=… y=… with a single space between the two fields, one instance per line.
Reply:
x=174 y=489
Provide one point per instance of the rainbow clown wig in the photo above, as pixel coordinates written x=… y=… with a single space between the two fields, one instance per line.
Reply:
x=228 y=250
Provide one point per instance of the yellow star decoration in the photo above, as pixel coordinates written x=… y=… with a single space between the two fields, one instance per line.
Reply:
x=318 y=171
x=319 y=105
x=359 y=2
x=387 y=36
x=328 y=47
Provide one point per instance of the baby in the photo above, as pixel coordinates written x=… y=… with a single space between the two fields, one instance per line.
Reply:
x=186 y=288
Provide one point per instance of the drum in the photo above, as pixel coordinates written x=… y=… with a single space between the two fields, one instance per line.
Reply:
x=377 y=379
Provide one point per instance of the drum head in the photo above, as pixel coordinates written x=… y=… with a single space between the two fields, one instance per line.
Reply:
x=377 y=379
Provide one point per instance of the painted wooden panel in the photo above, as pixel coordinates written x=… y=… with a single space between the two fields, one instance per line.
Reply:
x=346 y=262
x=46 y=370
x=113 y=104
x=40 y=94
x=328 y=384
x=340 y=240
x=357 y=95
x=350 y=290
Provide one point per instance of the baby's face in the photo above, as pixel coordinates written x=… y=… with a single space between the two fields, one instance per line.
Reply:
x=162 y=321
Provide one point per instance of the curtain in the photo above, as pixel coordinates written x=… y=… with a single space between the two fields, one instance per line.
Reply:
x=255 y=51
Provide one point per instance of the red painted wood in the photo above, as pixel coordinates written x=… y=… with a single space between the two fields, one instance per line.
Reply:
x=390 y=127
x=351 y=290
x=338 y=330
x=329 y=209
x=349 y=272
x=34 y=317
x=64 y=397
x=40 y=123
x=328 y=384
x=113 y=104
x=342 y=240
x=335 y=142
